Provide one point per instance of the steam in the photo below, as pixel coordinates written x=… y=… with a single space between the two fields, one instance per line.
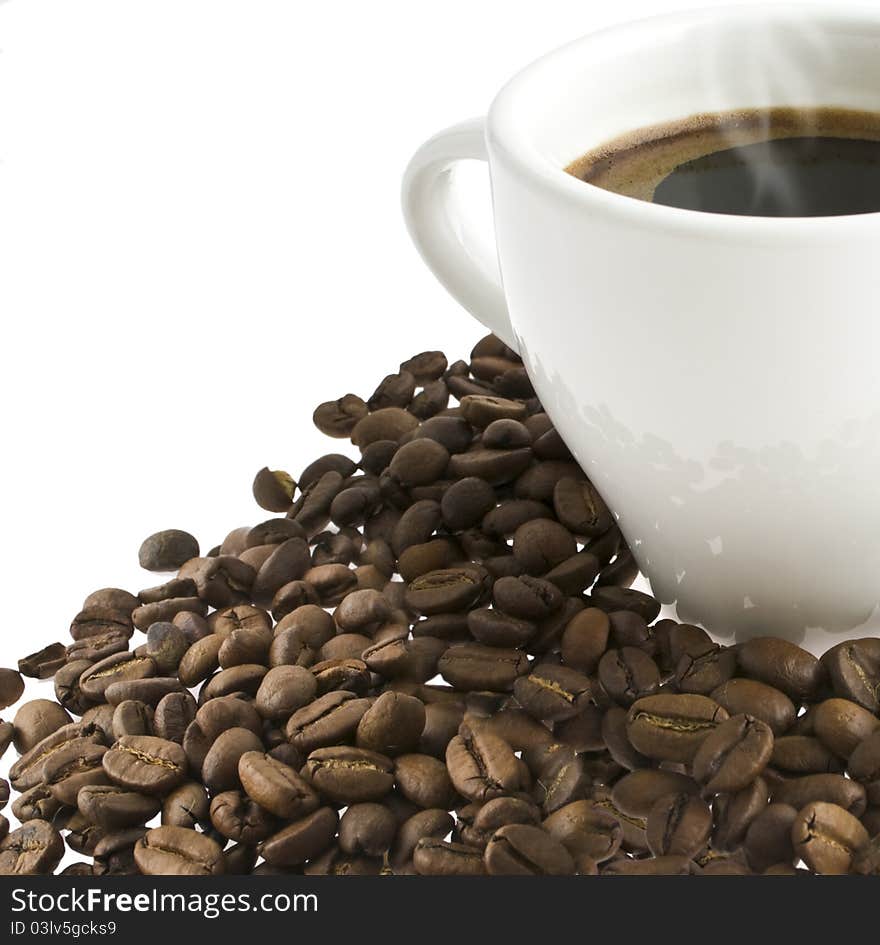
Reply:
x=783 y=62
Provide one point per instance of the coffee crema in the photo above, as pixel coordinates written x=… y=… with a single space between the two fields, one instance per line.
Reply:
x=773 y=162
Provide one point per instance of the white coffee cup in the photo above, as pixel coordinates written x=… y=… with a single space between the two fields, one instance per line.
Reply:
x=718 y=377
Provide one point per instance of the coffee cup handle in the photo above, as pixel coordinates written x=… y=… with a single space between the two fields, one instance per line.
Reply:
x=453 y=248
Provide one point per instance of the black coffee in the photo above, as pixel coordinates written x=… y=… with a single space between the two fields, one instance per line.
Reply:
x=782 y=162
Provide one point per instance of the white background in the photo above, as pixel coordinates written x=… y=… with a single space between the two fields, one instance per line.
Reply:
x=200 y=239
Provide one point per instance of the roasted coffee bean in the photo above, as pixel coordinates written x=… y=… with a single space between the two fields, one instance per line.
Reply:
x=481 y=410
x=441 y=726
x=273 y=489
x=478 y=822
x=97 y=621
x=829 y=788
x=419 y=462
x=114 y=807
x=866 y=861
x=574 y=574
x=781 y=664
x=146 y=764
x=194 y=626
x=101 y=718
x=426 y=366
x=494 y=628
x=200 y=660
x=301 y=840
x=334 y=548
x=446 y=590
x=348 y=775
x=617 y=741
x=68 y=687
x=426 y=824
x=436 y=857
x=826 y=837
x=526 y=597
x=582 y=732
x=854 y=671
x=330 y=720
x=541 y=544
x=291 y=596
x=628 y=674
x=506 y=434
x=166 y=645
x=424 y=780
x=864 y=766
x=584 y=828
x=704 y=672
x=174 y=713
x=362 y=611
x=236 y=817
x=637 y=792
x=99 y=646
x=387 y=423
x=167 y=550
x=497 y=467
x=186 y=806
x=466 y=502
x=220 y=770
x=42 y=664
x=735 y=812
x=132 y=717
x=552 y=693
x=585 y=639
x=675 y=865
x=561 y=779
x=580 y=508
x=276 y=786
x=469 y=666
x=481 y=765
x=176 y=587
x=612 y=599
x=148 y=614
x=678 y=824
x=392 y=725
x=395 y=390
x=111 y=598
x=338 y=418
x=346 y=673
x=36 y=803
x=367 y=830
x=283 y=690
x=803 y=754
x=35 y=847
x=177 y=851
x=733 y=755
x=539 y=481
x=504 y=520
x=840 y=725
x=521 y=849
x=672 y=727
x=750 y=697
x=75 y=765
x=150 y=691
x=27 y=771
x=34 y=721
x=289 y=561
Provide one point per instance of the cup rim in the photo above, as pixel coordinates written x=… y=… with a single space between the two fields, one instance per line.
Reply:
x=506 y=137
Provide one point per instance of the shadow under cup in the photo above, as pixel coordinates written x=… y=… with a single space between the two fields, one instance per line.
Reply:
x=715 y=376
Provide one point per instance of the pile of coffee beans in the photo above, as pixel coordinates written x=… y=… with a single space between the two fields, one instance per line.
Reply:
x=431 y=660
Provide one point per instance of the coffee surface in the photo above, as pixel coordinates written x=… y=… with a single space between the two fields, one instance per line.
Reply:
x=780 y=162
